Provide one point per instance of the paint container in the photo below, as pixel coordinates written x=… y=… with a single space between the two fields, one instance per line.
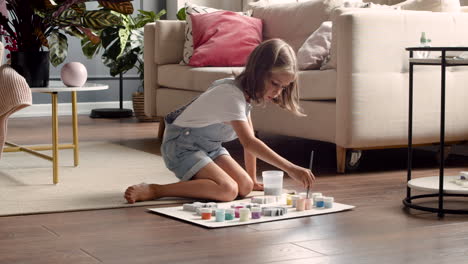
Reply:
x=211 y=205
x=288 y=200
x=206 y=213
x=274 y=211
x=256 y=213
x=270 y=199
x=198 y=210
x=229 y=214
x=328 y=202
x=273 y=182
x=315 y=194
x=244 y=214
x=283 y=210
x=240 y=205
x=189 y=207
x=303 y=195
x=294 y=199
x=300 y=204
x=269 y=211
x=309 y=203
x=319 y=202
x=236 y=210
x=258 y=200
x=220 y=215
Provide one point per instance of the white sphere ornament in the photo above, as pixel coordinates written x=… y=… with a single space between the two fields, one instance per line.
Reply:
x=74 y=74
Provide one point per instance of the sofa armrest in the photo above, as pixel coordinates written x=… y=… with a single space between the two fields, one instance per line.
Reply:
x=372 y=70
x=163 y=44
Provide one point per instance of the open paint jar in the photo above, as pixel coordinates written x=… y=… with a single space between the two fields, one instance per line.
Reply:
x=273 y=182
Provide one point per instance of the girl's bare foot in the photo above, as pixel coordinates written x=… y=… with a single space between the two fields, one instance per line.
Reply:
x=141 y=192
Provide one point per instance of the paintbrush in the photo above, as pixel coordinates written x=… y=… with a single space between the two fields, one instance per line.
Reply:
x=310 y=167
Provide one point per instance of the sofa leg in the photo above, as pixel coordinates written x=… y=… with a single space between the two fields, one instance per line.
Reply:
x=340 y=159
x=162 y=126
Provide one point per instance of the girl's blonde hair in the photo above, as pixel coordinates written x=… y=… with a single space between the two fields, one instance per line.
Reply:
x=271 y=56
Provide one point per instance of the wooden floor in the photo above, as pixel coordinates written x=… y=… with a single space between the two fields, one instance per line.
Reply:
x=379 y=230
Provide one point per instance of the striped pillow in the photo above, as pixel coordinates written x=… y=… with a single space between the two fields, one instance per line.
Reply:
x=191 y=9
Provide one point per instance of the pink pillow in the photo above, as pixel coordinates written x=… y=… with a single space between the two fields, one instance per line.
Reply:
x=224 y=38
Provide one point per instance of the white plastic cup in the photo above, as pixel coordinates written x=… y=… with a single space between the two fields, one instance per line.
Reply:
x=273 y=182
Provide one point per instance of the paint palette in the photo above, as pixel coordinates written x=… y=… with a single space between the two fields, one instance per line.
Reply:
x=269 y=212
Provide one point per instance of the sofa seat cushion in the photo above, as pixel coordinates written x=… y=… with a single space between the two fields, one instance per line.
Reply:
x=313 y=85
x=317 y=85
x=193 y=78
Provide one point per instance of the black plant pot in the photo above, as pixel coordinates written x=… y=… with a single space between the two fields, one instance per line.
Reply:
x=33 y=66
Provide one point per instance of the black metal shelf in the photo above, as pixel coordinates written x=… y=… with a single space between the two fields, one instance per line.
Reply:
x=443 y=62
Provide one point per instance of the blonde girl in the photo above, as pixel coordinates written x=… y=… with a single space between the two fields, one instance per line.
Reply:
x=193 y=136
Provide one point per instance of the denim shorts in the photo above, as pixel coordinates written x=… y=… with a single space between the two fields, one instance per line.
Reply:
x=187 y=150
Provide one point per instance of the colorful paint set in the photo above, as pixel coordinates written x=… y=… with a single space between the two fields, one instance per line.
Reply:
x=271 y=206
x=244 y=212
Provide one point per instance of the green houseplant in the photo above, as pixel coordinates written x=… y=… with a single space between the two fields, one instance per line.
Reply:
x=122 y=50
x=41 y=27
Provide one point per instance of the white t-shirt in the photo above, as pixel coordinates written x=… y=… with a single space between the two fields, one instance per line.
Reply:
x=222 y=102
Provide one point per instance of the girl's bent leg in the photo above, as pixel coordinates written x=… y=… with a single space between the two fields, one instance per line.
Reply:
x=237 y=173
x=211 y=183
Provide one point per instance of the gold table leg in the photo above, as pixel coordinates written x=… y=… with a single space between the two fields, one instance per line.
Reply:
x=55 y=137
x=75 y=130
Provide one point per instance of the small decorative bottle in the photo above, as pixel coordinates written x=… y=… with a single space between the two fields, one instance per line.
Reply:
x=424 y=42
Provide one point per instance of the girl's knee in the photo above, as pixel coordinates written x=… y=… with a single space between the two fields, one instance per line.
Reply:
x=245 y=187
x=229 y=191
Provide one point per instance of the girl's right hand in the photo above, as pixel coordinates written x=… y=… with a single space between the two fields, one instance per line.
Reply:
x=302 y=175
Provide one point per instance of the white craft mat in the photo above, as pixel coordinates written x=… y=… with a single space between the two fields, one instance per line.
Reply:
x=192 y=217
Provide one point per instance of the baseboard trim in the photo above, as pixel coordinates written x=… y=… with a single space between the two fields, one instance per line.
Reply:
x=37 y=110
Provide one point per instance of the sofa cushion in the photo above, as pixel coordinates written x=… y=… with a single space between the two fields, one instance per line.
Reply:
x=431 y=5
x=193 y=78
x=191 y=9
x=294 y=22
x=313 y=85
x=316 y=48
x=224 y=38
x=317 y=85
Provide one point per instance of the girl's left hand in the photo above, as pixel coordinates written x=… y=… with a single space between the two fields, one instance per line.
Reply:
x=258 y=186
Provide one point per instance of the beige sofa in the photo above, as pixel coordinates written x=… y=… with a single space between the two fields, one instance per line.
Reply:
x=360 y=103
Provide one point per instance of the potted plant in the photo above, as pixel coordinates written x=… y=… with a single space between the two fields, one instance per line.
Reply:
x=122 y=50
x=36 y=31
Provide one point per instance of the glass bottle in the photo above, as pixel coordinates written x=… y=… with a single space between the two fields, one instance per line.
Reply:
x=424 y=42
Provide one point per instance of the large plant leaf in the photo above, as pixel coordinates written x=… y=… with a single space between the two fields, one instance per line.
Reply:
x=65 y=6
x=145 y=17
x=125 y=7
x=136 y=39
x=91 y=36
x=40 y=35
x=100 y=19
x=111 y=42
x=80 y=8
x=68 y=17
x=181 y=14
x=121 y=65
x=75 y=32
x=124 y=35
x=58 y=47
x=89 y=49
